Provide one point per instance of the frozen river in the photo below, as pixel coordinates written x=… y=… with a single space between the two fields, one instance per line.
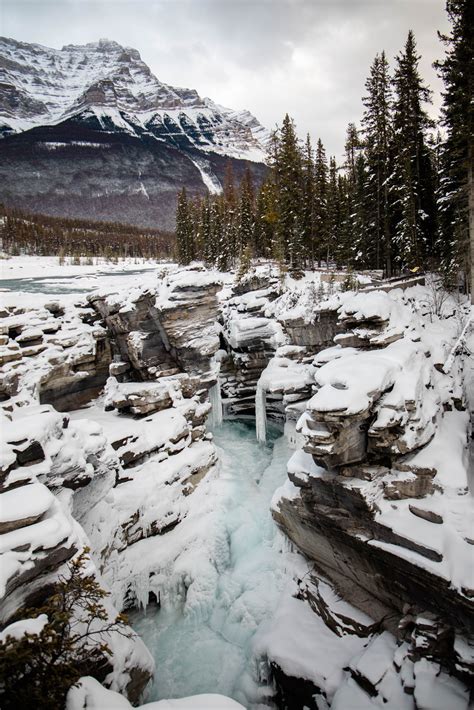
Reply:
x=212 y=651
x=70 y=284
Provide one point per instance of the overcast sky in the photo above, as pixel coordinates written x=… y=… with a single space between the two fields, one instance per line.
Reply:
x=309 y=58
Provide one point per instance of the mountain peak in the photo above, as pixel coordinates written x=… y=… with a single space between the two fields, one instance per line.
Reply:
x=46 y=86
x=103 y=136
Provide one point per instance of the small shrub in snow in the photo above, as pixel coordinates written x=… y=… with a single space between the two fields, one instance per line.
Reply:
x=38 y=667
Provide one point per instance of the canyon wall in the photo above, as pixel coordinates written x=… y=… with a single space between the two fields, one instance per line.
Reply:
x=376 y=501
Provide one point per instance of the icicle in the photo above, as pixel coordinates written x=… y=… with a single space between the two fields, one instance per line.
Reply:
x=216 y=402
x=260 y=412
x=140 y=587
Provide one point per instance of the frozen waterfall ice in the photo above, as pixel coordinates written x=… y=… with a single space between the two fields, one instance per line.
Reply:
x=260 y=412
x=203 y=642
x=215 y=399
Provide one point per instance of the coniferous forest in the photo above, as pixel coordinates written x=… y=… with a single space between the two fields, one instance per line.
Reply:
x=42 y=235
x=398 y=200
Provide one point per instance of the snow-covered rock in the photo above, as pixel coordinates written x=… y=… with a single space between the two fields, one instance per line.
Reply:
x=379 y=496
x=89 y=694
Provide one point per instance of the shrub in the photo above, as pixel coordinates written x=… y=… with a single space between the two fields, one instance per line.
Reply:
x=37 y=669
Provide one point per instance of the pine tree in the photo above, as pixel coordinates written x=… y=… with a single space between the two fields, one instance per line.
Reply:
x=364 y=251
x=37 y=669
x=335 y=251
x=266 y=219
x=245 y=261
x=184 y=230
x=378 y=134
x=308 y=201
x=229 y=231
x=217 y=252
x=415 y=216
x=320 y=202
x=345 y=249
x=205 y=231
x=456 y=205
x=288 y=179
x=246 y=218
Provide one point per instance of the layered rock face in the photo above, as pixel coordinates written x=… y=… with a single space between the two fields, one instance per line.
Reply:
x=119 y=472
x=156 y=334
x=378 y=501
x=106 y=140
x=249 y=339
x=52 y=354
x=46 y=462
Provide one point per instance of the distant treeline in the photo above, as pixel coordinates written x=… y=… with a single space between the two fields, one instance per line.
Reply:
x=41 y=235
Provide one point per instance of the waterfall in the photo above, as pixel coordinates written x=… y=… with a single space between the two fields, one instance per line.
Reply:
x=260 y=412
x=216 y=402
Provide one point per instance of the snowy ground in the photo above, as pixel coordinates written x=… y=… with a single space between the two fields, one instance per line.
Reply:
x=45 y=275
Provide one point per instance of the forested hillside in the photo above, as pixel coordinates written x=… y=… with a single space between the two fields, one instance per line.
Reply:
x=23 y=233
x=398 y=200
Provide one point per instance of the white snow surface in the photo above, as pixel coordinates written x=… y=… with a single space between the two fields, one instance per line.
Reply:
x=209 y=178
x=28 y=502
x=24 y=626
x=351 y=384
x=89 y=694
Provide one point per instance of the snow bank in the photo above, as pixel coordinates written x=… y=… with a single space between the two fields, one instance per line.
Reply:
x=89 y=694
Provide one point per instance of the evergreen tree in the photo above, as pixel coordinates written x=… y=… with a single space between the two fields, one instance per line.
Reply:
x=246 y=219
x=184 y=230
x=415 y=213
x=345 y=249
x=245 y=261
x=205 y=231
x=378 y=133
x=38 y=668
x=320 y=202
x=266 y=219
x=308 y=201
x=335 y=250
x=363 y=250
x=230 y=216
x=288 y=179
x=217 y=251
x=456 y=205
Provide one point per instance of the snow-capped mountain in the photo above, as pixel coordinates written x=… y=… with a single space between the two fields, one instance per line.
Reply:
x=97 y=103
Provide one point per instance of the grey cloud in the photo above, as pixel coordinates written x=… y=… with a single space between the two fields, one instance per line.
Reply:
x=309 y=58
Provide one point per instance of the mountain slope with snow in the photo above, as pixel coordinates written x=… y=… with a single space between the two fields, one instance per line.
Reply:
x=89 y=130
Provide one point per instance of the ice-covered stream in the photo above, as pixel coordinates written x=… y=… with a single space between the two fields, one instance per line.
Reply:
x=212 y=652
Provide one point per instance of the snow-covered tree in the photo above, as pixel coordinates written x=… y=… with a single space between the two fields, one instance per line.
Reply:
x=320 y=202
x=308 y=216
x=288 y=179
x=246 y=216
x=184 y=230
x=456 y=193
x=377 y=131
x=413 y=180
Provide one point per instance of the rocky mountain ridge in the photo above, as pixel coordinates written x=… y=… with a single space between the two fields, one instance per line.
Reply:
x=90 y=129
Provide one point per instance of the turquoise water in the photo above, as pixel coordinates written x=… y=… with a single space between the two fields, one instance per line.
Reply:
x=213 y=653
x=65 y=284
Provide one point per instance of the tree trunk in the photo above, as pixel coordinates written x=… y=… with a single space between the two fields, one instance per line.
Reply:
x=470 y=187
